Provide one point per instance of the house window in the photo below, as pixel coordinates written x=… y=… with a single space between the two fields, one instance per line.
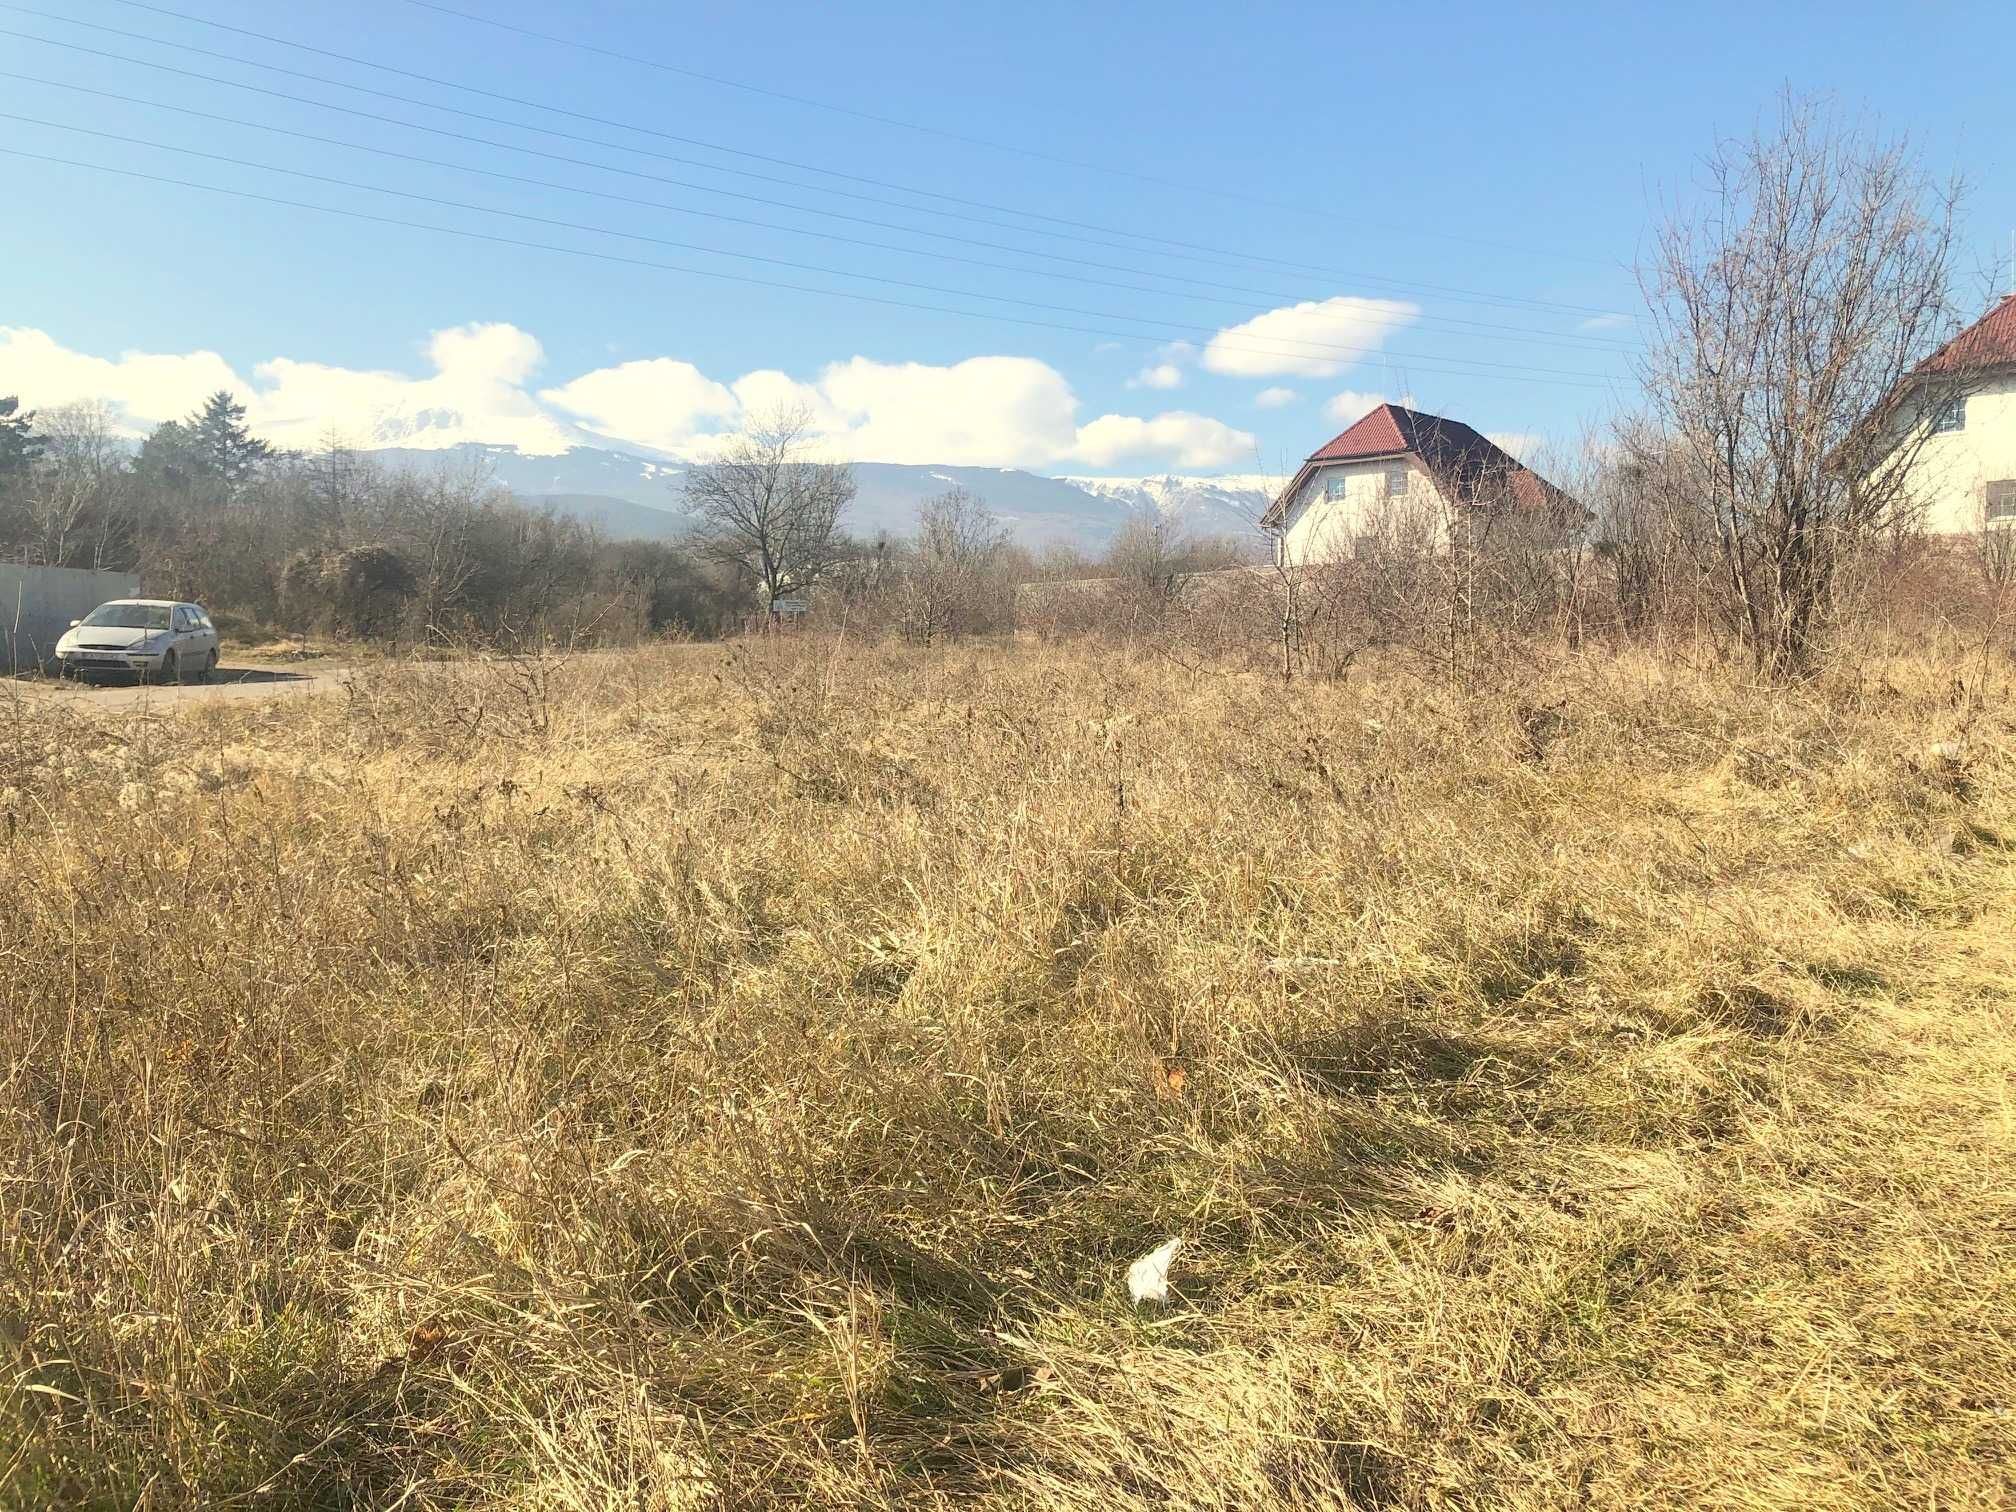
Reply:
x=2001 y=503
x=1398 y=480
x=1335 y=485
x=1950 y=416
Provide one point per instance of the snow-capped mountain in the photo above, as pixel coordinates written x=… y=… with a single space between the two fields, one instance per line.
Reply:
x=447 y=428
x=1227 y=505
x=635 y=495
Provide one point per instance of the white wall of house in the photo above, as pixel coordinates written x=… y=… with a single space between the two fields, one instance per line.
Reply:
x=1952 y=471
x=1343 y=501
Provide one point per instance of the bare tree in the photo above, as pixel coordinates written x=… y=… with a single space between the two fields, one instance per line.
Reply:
x=341 y=485
x=440 y=522
x=77 y=495
x=1992 y=549
x=1149 y=560
x=1788 y=310
x=957 y=582
x=769 y=506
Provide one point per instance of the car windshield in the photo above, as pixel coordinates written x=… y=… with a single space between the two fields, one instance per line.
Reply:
x=129 y=617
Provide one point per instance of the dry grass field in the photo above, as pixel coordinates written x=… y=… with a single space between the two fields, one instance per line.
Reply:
x=739 y=1077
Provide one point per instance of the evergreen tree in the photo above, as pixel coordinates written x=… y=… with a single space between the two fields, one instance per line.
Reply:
x=221 y=446
x=168 y=455
x=19 y=445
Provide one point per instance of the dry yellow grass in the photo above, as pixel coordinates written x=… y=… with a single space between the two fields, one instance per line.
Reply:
x=730 y=1078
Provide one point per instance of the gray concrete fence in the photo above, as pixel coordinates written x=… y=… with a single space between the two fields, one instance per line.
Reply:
x=38 y=603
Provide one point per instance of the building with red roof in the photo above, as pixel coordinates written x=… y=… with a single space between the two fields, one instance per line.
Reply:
x=1400 y=469
x=1959 y=407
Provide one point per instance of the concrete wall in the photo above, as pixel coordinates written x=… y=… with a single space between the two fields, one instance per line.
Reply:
x=38 y=603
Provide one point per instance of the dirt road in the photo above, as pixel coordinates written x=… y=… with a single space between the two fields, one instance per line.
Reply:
x=230 y=682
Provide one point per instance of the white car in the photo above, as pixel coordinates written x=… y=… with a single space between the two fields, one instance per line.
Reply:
x=156 y=638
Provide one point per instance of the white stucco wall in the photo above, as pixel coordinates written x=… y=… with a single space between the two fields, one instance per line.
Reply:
x=1317 y=528
x=1950 y=476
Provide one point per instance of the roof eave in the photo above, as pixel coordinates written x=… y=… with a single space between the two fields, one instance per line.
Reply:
x=1319 y=460
x=1273 y=514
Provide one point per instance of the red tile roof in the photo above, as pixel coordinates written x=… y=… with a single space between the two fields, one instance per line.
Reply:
x=1469 y=467
x=1989 y=342
x=1379 y=434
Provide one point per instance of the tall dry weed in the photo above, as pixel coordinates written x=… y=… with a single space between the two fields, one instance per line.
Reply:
x=739 y=1077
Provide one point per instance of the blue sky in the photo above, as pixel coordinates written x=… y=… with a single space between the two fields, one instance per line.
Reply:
x=1257 y=221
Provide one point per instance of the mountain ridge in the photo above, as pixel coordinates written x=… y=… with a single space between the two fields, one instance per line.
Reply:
x=635 y=495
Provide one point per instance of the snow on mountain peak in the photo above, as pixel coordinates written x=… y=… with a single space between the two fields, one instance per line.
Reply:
x=1229 y=503
x=633 y=493
x=443 y=427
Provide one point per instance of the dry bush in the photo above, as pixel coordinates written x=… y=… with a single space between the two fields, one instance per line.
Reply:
x=739 y=1077
x=1790 y=306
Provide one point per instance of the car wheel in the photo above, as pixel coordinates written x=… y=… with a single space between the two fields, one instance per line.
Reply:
x=209 y=668
x=170 y=673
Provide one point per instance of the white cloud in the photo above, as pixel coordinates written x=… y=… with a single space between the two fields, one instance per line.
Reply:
x=1611 y=322
x=143 y=388
x=989 y=411
x=1351 y=406
x=1275 y=398
x=495 y=353
x=658 y=401
x=1314 y=339
x=476 y=393
x=1521 y=444
x=1165 y=369
x=985 y=411
x=1178 y=436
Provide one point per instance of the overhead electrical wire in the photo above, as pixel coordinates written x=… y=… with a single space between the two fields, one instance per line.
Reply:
x=640 y=60
x=1482 y=330
x=492 y=94
x=713 y=273
x=1295 y=348
x=1188 y=251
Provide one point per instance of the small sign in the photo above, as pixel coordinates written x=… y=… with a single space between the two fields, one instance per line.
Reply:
x=791 y=606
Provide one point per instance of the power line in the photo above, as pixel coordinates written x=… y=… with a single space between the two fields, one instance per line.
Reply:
x=1190 y=251
x=794 y=99
x=636 y=173
x=638 y=262
x=766 y=92
x=1289 y=347
x=1485 y=330
x=630 y=126
x=687 y=141
x=571 y=136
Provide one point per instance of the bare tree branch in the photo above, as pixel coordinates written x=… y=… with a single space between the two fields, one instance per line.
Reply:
x=1789 y=308
x=770 y=507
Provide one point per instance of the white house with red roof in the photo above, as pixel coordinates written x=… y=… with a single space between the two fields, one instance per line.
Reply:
x=1399 y=469
x=1964 y=475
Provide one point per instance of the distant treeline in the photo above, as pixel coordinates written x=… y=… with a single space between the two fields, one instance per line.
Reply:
x=332 y=542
